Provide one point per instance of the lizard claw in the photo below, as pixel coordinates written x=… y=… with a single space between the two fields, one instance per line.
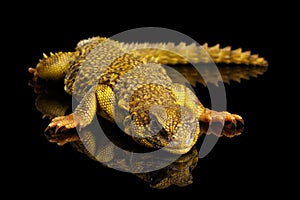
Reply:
x=37 y=84
x=34 y=72
x=233 y=126
x=63 y=137
x=227 y=124
x=61 y=130
x=62 y=123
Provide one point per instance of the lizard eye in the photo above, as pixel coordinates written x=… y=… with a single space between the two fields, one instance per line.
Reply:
x=151 y=180
x=155 y=125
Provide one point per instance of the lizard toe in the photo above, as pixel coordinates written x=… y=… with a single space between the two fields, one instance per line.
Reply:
x=62 y=123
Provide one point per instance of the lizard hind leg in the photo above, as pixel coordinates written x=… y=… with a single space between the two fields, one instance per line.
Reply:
x=37 y=84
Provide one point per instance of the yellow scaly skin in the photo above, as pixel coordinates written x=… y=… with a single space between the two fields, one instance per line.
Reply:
x=122 y=83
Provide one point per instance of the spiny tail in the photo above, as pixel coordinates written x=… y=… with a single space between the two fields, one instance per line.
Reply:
x=237 y=56
x=169 y=53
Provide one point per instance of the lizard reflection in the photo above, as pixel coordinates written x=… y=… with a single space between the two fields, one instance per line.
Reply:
x=52 y=101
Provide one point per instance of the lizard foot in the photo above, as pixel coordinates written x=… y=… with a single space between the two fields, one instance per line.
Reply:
x=62 y=137
x=234 y=125
x=227 y=124
x=63 y=123
x=34 y=72
x=37 y=84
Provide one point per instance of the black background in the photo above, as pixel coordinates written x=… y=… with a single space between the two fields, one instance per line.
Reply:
x=243 y=166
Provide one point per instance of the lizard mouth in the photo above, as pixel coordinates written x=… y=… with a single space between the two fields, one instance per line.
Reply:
x=170 y=146
x=164 y=141
x=175 y=146
x=177 y=150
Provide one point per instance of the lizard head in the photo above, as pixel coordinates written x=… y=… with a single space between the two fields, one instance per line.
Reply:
x=174 y=128
x=55 y=66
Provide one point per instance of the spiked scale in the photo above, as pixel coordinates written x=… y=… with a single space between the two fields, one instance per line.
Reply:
x=120 y=81
x=170 y=53
x=237 y=56
x=55 y=66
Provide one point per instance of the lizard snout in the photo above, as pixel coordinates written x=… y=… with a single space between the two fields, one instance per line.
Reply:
x=183 y=129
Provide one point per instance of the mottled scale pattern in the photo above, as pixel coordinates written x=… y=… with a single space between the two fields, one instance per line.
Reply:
x=53 y=66
x=119 y=67
x=111 y=59
x=145 y=97
x=127 y=83
x=96 y=57
x=135 y=79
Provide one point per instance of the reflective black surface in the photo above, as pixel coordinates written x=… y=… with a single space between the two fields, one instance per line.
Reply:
x=239 y=165
x=114 y=149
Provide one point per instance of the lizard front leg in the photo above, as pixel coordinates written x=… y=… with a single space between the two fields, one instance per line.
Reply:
x=231 y=124
x=82 y=115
